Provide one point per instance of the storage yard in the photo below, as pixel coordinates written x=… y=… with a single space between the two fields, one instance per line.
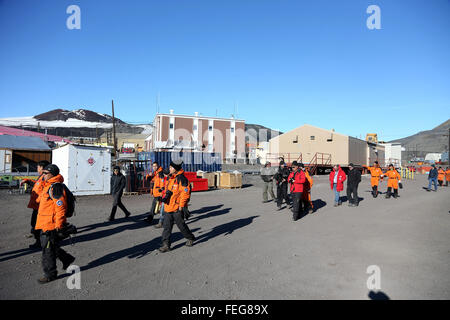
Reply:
x=245 y=249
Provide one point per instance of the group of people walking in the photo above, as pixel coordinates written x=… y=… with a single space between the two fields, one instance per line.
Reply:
x=51 y=200
x=436 y=176
x=300 y=182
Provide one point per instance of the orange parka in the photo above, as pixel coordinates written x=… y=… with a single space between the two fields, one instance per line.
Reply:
x=441 y=175
x=306 y=195
x=376 y=175
x=393 y=178
x=35 y=192
x=52 y=212
x=447 y=175
x=179 y=185
x=158 y=182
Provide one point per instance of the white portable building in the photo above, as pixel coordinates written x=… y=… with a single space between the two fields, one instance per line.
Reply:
x=86 y=169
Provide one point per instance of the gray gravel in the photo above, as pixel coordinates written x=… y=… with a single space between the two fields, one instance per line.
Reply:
x=245 y=249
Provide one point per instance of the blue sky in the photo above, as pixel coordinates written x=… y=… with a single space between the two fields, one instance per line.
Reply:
x=284 y=63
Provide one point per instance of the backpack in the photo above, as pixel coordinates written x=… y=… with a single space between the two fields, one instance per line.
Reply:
x=57 y=191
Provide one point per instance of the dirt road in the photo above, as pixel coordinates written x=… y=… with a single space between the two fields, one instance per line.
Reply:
x=245 y=249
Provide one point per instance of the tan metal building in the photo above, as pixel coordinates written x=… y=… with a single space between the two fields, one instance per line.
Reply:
x=308 y=144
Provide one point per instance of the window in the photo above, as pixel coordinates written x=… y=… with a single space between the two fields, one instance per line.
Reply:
x=295 y=140
x=210 y=128
x=171 y=126
x=313 y=138
x=194 y=127
x=232 y=129
x=8 y=158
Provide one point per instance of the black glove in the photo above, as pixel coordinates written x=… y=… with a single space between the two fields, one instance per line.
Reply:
x=166 y=198
x=160 y=190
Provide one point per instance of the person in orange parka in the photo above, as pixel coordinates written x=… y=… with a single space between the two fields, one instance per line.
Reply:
x=394 y=179
x=165 y=182
x=175 y=200
x=50 y=219
x=376 y=176
x=441 y=176
x=447 y=176
x=306 y=195
x=157 y=179
x=38 y=185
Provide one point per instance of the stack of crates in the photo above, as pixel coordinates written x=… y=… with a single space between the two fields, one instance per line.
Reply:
x=197 y=184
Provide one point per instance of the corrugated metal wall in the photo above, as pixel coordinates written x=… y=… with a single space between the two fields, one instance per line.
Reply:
x=192 y=161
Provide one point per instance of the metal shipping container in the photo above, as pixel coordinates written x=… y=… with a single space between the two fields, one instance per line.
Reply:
x=193 y=161
x=86 y=169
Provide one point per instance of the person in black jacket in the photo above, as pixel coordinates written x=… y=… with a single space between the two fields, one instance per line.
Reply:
x=118 y=183
x=281 y=178
x=354 y=178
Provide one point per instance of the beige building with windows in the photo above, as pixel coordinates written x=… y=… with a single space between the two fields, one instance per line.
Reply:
x=199 y=133
x=311 y=142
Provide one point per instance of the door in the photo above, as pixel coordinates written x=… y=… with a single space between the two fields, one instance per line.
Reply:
x=89 y=170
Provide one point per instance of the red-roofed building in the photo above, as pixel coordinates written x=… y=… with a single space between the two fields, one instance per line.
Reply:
x=27 y=133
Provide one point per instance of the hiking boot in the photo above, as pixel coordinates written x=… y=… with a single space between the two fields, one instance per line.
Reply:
x=164 y=248
x=159 y=225
x=336 y=204
x=45 y=280
x=189 y=243
x=339 y=203
x=109 y=219
x=67 y=263
x=127 y=214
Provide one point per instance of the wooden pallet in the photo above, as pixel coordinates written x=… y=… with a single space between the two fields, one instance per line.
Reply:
x=130 y=193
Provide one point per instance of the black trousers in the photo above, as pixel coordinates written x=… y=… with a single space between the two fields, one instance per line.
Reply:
x=389 y=192
x=352 y=194
x=152 y=209
x=282 y=193
x=117 y=202
x=297 y=204
x=36 y=233
x=169 y=219
x=441 y=182
x=375 y=191
x=51 y=250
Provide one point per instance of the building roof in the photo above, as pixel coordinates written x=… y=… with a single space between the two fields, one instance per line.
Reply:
x=23 y=143
x=198 y=117
x=28 y=133
x=314 y=127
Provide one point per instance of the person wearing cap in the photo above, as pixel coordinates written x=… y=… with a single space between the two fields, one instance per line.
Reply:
x=296 y=179
x=118 y=183
x=175 y=200
x=354 y=178
x=306 y=195
x=281 y=178
x=376 y=175
x=441 y=176
x=394 y=179
x=38 y=186
x=158 y=185
x=432 y=178
x=50 y=219
x=267 y=174
x=337 y=178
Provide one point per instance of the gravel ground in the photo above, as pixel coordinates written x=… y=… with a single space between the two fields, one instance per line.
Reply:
x=245 y=249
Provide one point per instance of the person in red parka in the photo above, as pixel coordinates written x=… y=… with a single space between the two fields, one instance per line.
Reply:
x=337 y=178
x=297 y=179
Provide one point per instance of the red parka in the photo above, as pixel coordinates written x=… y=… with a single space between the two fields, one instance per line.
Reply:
x=340 y=180
x=299 y=180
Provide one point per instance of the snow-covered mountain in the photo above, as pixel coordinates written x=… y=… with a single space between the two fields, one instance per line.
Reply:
x=75 y=123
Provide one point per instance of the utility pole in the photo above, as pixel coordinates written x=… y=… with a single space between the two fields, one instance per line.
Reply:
x=114 y=131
